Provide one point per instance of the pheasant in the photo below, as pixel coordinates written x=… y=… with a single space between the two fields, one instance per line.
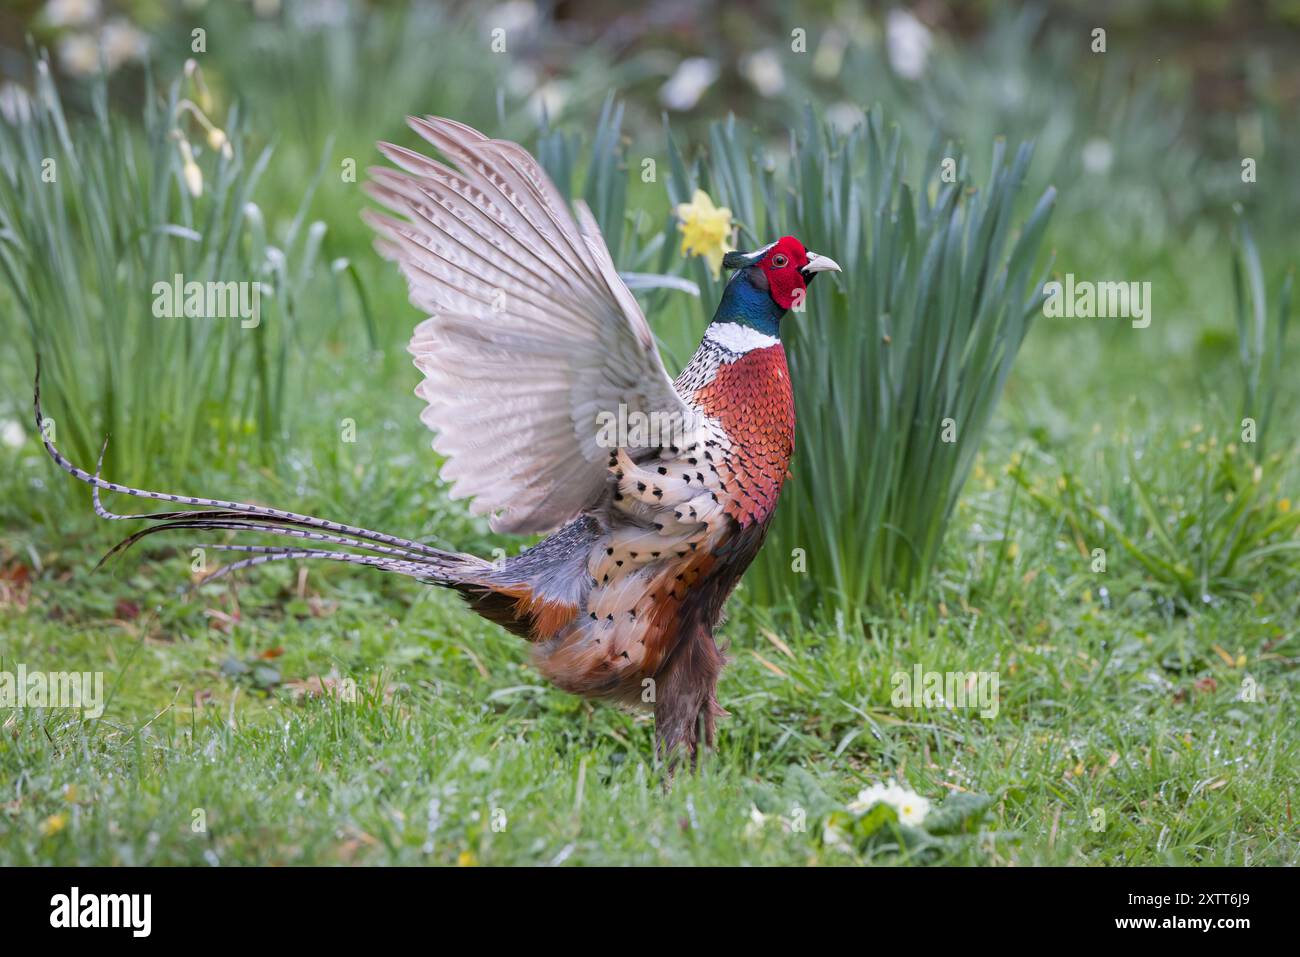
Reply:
x=534 y=355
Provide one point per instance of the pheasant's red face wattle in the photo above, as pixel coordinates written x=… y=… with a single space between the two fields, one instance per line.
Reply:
x=782 y=266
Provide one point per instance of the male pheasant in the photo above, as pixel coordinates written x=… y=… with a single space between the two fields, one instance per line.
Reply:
x=533 y=349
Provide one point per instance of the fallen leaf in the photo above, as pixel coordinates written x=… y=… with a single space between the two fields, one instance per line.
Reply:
x=768 y=665
x=126 y=610
x=781 y=646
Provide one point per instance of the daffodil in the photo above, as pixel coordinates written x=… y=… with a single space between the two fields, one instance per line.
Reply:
x=706 y=229
x=189 y=169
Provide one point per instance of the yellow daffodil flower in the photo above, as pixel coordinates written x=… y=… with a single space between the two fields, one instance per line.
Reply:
x=706 y=229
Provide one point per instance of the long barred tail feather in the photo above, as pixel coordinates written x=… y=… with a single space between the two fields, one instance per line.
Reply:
x=212 y=519
x=388 y=552
x=266 y=553
x=215 y=520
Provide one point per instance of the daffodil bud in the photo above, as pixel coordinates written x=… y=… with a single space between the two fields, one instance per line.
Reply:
x=190 y=171
x=219 y=142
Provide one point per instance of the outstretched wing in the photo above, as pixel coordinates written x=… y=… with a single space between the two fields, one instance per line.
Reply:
x=532 y=334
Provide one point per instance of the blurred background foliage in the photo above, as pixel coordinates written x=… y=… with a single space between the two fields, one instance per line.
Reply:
x=1144 y=145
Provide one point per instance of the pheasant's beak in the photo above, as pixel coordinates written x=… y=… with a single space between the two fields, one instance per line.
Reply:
x=818 y=264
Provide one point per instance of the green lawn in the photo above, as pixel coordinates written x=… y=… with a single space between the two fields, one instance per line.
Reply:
x=1145 y=710
x=1120 y=738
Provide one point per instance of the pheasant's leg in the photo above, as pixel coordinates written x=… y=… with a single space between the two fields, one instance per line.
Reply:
x=686 y=703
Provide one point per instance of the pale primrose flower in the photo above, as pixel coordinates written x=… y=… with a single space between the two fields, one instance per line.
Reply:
x=514 y=16
x=764 y=70
x=1097 y=156
x=908 y=42
x=844 y=116
x=830 y=54
x=867 y=799
x=910 y=806
x=71 y=13
x=12 y=434
x=123 y=42
x=79 y=54
x=705 y=229
x=15 y=103
x=834 y=836
x=684 y=88
x=548 y=99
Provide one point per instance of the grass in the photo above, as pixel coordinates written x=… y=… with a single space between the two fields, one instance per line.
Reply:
x=82 y=256
x=1137 y=723
x=1112 y=700
x=1133 y=713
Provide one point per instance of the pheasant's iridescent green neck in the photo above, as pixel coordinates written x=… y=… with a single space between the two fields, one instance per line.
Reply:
x=747 y=304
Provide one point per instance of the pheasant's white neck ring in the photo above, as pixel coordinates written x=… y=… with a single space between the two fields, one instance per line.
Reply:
x=736 y=337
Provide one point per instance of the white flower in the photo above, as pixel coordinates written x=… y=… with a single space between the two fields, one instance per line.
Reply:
x=908 y=42
x=123 y=42
x=12 y=434
x=684 y=88
x=521 y=79
x=15 y=103
x=1097 y=156
x=910 y=806
x=79 y=54
x=830 y=54
x=548 y=100
x=867 y=799
x=764 y=70
x=756 y=821
x=833 y=836
x=515 y=16
x=71 y=13
x=319 y=15
x=844 y=116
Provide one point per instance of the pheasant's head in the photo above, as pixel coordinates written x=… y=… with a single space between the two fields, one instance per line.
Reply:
x=770 y=281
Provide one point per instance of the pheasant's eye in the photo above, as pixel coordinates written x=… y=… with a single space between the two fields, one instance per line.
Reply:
x=779 y=261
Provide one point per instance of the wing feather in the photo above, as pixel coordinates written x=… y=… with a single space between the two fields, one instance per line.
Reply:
x=531 y=334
